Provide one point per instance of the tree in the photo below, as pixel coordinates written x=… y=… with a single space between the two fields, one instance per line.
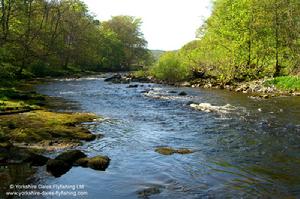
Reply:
x=50 y=37
x=128 y=31
x=170 y=68
x=249 y=39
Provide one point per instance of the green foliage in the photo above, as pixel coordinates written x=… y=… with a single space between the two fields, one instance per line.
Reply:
x=246 y=39
x=133 y=44
x=286 y=82
x=54 y=38
x=8 y=71
x=110 y=50
x=141 y=73
x=170 y=68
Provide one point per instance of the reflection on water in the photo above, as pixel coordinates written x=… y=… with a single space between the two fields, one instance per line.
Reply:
x=14 y=174
x=251 y=151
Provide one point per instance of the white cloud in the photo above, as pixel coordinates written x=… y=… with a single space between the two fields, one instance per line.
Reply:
x=167 y=24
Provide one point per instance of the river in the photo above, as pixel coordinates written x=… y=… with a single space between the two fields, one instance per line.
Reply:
x=250 y=151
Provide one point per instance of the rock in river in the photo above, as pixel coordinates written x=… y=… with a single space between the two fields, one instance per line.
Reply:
x=99 y=162
x=165 y=150
x=170 y=151
x=63 y=162
x=147 y=192
x=182 y=93
x=113 y=78
x=82 y=162
x=118 y=79
x=133 y=86
x=70 y=156
x=58 y=167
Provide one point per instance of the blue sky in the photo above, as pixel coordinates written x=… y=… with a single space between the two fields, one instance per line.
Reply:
x=167 y=24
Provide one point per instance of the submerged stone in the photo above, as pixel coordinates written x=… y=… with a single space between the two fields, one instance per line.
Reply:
x=145 y=193
x=170 y=151
x=58 y=167
x=165 y=150
x=70 y=156
x=133 y=86
x=184 y=151
x=182 y=93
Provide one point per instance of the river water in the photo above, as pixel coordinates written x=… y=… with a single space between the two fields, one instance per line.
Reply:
x=251 y=150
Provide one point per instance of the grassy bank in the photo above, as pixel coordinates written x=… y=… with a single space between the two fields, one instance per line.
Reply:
x=290 y=83
x=15 y=100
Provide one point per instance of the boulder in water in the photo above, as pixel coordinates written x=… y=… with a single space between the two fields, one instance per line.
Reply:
x=165 y=150
x=184 y=151
x=58 y=167
x=70 y=157
x=118 y=79
x=113 y=78
x=170 y=151
x=83 y=162
x=182 y=93
x=98 y=163
x=133 y=86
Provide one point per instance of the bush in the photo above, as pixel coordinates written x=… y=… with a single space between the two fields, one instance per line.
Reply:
x=8 y=71
x=141 y=73
x=170 y=68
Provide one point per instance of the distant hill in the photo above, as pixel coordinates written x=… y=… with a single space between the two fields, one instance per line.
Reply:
x=157 y=53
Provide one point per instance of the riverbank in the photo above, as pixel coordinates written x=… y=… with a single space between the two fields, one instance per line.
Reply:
x=262 y=88
x=29 y=128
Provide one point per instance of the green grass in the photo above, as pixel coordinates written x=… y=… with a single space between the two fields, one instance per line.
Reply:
x=286 y=82
x=12 y=100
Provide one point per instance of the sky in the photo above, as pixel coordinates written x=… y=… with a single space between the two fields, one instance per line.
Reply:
x=167 y=24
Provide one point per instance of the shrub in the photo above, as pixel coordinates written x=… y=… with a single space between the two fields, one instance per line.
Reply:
x=170 y=68
x=8 y=71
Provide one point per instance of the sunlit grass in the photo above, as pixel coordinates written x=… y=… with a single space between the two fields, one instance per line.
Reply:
x=286 y=82
x=12 y=100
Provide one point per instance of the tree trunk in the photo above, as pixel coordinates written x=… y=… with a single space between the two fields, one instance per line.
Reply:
x=277 y=66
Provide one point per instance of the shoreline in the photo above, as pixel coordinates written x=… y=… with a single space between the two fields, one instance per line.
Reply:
x=255 y=88
x=31 y=130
